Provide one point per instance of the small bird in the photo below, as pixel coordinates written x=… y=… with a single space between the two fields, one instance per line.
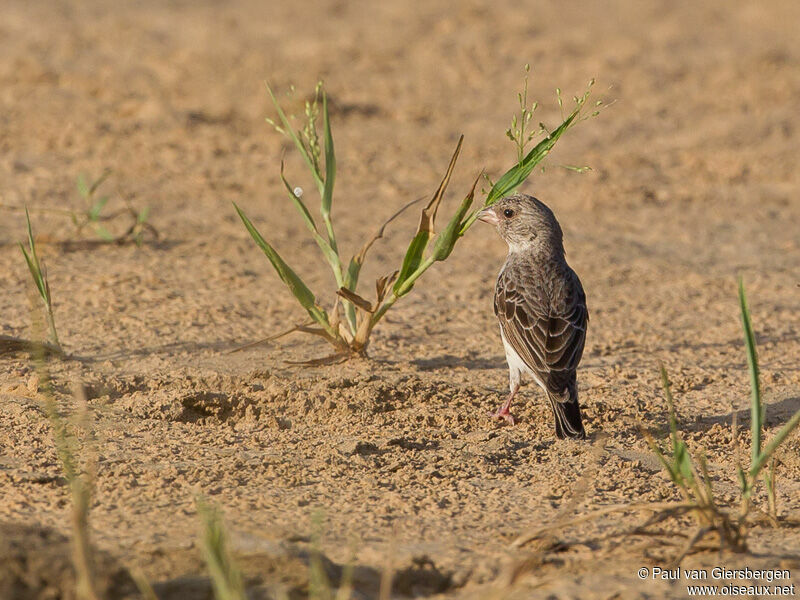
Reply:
x=541 y=307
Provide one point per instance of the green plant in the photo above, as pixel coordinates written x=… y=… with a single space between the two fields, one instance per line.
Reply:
x=226 y=577
x=78 y=474
x=759 y=454
x=696 y=487
x=39 y=274
x=351 y=336
x=94 y=205
x=94 y=218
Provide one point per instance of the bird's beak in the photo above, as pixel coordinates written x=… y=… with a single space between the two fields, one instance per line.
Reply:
x=487 y=215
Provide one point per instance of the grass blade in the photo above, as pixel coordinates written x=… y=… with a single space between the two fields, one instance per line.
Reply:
x=33 y=267
x=449 y=236
x=225 y=574
x=296 y=285
x=668 y=467
x=99 y=181
x=681 y=459
x=96 y=208
x=330 y=173
x=770 y=448
x=298 y=203
x=330 y=253
x=33 y=261
x=101 y=231
x=756 y=407
x=83 y=186
x=39 y=275
x=426 y=229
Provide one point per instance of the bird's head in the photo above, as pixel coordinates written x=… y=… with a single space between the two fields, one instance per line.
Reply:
x=524 y=223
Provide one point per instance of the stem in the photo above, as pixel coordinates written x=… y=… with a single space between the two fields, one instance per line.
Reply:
x=407 y=284
x=80 y=541
x=51 y=324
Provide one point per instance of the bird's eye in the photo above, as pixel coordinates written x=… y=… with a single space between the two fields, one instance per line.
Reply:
x=508 y=213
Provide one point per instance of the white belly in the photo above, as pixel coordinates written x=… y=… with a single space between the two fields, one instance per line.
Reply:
x=517 y=366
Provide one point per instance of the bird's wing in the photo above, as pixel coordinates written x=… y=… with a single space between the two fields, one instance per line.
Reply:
x=549 y=340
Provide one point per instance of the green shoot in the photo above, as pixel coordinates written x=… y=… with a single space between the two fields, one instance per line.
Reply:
x=696 y=489
x=756 y=408
x=759 y=456
x=94 y=205
x=94 y=217
x=39 y=274
x=226 y=577
x=79 y=479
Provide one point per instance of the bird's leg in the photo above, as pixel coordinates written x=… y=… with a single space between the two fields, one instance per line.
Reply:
x=503 y=412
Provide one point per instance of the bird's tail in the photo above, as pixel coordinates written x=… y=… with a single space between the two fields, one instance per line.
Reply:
x=567 y=413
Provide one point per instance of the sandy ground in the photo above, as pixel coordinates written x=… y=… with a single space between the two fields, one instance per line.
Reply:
x=695 y=180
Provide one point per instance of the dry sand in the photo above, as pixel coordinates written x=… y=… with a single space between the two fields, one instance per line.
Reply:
x=695 y=180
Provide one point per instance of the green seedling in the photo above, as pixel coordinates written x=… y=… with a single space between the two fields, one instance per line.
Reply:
x=696 y=489
x=94 y=217
x=39 y=275
x=79 y=475
x=350 y=335
x=759 y=454
x=95 y=203
x=226 y=577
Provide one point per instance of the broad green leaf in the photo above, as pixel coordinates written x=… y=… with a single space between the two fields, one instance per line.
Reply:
x=756 y=407
x=412 y=259
x=296 y=285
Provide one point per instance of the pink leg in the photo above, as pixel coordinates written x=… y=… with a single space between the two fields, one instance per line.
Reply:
x=503 y=412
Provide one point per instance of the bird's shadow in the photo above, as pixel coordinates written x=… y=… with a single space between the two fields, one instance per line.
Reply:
x=449 y=361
